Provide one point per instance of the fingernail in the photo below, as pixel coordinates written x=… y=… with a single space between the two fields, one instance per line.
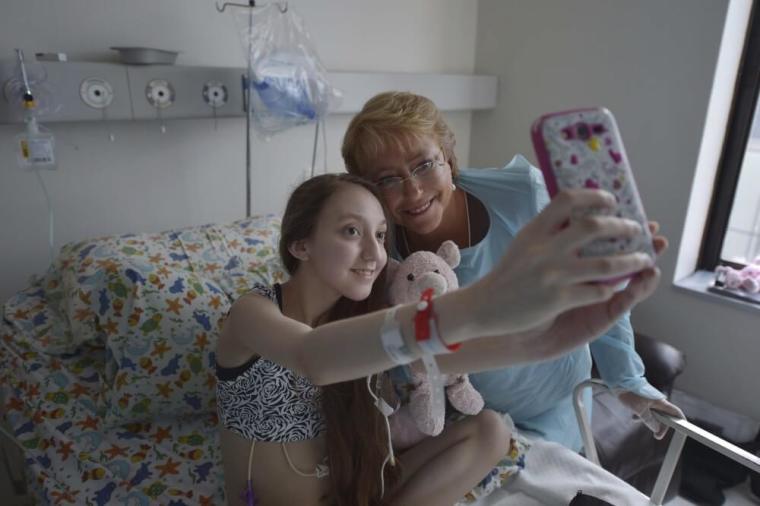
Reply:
x=636 y=225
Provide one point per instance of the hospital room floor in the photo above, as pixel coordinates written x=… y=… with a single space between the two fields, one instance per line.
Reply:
x=737 y=496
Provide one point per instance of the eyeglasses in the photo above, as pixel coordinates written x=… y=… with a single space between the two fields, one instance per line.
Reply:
x=423 y=172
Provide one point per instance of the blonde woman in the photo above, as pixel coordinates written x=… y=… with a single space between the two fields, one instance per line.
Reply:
x=400 y=142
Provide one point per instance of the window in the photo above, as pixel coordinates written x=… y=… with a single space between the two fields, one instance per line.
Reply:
x=741 y=243
x=732 y=235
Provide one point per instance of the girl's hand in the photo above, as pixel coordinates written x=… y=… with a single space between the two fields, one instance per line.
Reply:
x=578 y=326
x=541 y=276
x=583 y=324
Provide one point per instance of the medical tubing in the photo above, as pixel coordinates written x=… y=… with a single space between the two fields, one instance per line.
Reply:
x=324 y=145
x=391 y=456
x=314 y=151
x=51 y=248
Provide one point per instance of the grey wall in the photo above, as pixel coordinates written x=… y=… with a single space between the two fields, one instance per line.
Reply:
x=193 y=174
x=651 y=62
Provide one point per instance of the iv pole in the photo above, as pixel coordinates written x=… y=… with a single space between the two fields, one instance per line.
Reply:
x=246 y=82
x=247 y=103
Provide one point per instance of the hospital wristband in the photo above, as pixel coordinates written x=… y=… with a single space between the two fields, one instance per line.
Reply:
x=392 y=340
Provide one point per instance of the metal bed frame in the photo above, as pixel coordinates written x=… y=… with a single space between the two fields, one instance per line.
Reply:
x=682 y=429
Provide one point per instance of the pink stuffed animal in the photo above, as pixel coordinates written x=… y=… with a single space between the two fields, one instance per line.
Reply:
x=746 y=279
x=407 y=280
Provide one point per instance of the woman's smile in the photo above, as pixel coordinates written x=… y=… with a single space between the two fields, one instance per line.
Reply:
x=416 y=211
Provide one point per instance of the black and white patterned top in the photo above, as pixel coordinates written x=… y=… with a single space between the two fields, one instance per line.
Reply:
x=265 y=401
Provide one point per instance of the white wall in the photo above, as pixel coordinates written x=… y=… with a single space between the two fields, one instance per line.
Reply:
x=194 y=174
x=651 y=62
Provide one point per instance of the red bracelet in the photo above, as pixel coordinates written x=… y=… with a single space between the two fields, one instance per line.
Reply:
x=426 y=327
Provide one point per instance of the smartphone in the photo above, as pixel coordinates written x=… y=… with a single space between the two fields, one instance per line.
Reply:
x=582 y=148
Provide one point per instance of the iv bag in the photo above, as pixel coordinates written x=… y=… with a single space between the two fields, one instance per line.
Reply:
x=288 y=84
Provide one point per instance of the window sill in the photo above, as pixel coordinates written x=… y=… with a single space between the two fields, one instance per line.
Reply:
x=701 y=283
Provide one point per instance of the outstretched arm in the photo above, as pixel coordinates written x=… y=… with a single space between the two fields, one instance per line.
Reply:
x=571 y=329
x=539 y=278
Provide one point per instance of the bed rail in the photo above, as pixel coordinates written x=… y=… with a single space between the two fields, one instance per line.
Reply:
x=683 y=429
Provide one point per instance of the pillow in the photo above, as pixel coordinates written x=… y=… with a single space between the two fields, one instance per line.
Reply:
x=160 y=319
x=234 y=256
x=92 y=269
x=237 y=255
x=154 y=302
x=161 y=329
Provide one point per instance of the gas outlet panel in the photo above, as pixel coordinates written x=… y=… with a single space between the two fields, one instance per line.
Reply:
x=96 y=92
x=160 y=93
x=89 y=91
x=214 y=94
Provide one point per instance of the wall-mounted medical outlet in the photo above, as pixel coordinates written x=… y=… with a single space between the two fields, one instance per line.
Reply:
x=199 y=91
x=215 y=94
x=160 y=93
x=60 y=87
x=96 y=92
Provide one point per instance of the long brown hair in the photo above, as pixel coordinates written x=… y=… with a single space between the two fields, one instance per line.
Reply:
x=356 y=434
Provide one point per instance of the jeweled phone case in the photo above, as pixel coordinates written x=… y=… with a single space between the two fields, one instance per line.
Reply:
x=582 y=148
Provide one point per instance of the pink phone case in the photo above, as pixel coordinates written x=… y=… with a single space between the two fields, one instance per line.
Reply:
x=582 y=148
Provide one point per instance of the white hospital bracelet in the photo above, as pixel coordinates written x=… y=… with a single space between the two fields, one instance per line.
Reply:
x=434 y=376
x=392 y=340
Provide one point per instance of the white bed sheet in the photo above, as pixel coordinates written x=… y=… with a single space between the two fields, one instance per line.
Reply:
x=553 y=475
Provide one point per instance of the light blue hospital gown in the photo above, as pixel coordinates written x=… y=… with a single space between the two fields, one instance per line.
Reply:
x=538 y=396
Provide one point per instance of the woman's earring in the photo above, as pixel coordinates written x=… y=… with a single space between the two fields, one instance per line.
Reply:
x=453 y=187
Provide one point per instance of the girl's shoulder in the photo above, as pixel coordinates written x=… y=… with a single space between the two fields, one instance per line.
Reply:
x=268 y=291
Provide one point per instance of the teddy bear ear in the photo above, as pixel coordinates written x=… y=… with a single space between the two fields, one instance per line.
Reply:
x=449 y=251
x=391 y=268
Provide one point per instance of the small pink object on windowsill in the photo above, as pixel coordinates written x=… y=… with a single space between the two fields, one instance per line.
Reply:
x=746 y=279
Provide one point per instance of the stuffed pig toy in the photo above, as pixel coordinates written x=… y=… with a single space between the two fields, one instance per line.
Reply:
x=747 y=278
x=406 y=282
